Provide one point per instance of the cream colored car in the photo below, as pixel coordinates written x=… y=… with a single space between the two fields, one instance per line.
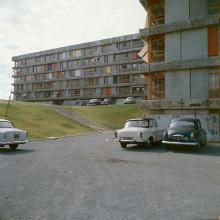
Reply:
x=142 y=131
x=9 y=135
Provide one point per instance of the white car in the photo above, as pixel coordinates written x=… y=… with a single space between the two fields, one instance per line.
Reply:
x=142 y=131
x=9 y=135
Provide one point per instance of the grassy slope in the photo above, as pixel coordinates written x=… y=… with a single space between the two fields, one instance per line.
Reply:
x=112 y=116
x=40 y=121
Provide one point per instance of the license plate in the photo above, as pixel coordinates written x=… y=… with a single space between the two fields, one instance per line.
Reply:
x=128 y=138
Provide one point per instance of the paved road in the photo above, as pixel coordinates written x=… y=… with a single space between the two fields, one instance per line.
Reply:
x=87 y=177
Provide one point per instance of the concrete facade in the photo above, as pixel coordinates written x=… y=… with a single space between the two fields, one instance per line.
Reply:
x=99 y=69
x=191 y=62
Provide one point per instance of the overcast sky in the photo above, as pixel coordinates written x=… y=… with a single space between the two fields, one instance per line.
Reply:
x=33 y=25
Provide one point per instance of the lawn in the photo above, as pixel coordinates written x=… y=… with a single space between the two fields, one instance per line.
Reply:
x=112 y=116
x=40 y=121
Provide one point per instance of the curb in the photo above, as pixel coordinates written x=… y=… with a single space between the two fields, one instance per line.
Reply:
x=69 y=136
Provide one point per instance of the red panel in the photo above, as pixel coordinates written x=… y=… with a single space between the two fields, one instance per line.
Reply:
x=213 y=40
x=133 y=55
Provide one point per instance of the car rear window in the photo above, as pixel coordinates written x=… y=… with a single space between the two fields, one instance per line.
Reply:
x=142 y=124
x=186 y=124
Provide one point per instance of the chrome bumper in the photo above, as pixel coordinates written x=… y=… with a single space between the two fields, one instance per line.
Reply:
x=130 y=141
x=180 y=143
x=13 y=142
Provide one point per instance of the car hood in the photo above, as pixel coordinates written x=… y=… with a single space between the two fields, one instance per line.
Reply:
x=183 y=131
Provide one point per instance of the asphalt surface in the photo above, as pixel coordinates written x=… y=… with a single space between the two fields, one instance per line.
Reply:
x=91 y=177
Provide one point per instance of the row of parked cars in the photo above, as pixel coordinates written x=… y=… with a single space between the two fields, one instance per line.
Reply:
x=108 y=101
x=145 y=131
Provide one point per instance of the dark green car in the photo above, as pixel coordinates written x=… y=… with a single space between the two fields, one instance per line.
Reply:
x=185 y=131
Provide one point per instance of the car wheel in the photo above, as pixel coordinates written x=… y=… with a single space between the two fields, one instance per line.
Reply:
x=123 y=145
x=150 y=142
x=13 y=146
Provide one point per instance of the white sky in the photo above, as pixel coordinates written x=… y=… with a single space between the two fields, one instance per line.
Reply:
x=33 y=25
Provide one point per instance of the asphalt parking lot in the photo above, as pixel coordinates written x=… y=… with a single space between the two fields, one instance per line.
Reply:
x=91 y=177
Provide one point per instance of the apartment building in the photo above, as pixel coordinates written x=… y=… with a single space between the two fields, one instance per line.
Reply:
x=99 y=69
x=182 y=59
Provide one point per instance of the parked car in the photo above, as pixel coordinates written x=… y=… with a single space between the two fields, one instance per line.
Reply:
x=107 y=101
x=129 y=100
x=185 y=131
x=83 y=102
x=9 y=135
x=93 y=102
x=142 y=131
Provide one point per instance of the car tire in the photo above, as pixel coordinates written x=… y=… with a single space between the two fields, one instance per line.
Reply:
x=13 y=146
x=150 y=142
x=123 y=145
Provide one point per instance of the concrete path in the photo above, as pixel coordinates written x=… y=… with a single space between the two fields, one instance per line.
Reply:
x=76 y=117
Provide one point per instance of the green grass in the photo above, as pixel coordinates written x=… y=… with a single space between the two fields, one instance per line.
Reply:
x=111 y=116
x=40 y=121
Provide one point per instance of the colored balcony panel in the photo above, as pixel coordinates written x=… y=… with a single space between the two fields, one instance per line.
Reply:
x=213 y=40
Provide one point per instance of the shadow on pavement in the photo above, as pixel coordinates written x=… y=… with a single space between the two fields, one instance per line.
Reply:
x=8 y=151
x=207 y=150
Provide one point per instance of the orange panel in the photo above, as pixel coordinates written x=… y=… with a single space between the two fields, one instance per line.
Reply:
x=213 y=40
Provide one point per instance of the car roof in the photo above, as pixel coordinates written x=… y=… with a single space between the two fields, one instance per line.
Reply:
x=139 y=119
x=4 y=120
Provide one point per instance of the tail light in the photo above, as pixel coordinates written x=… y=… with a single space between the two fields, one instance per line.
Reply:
x=192 y=135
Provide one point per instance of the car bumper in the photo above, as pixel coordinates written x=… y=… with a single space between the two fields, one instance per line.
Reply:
x=130 y=141
x=13 y=142
x=180 y=143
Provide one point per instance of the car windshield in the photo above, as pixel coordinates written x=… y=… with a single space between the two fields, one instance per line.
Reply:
x=138 y=123
x=186 y=124
x=5 y=124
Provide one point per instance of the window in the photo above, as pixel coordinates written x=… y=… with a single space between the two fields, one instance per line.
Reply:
x=213 y=40
x=124 y=79
x=213 y=7
x=106 y=79
x=124 y=67
x=156 y=86
x=214 y=83
x=73 y=83
x=156 y=12
x=136 y=90
x=74 y=92
x=156 y=48
x=124 y=91
x=137 y=43
x=90 y=71
x=115 y=79
x=107 y=69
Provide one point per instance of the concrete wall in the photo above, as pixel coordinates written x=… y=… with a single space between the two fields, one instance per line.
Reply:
x=198 y=8
x=194 y=44
x=177 y=85
x=173 y=46
x=190 y=44
x=199 y=84
x=187 y=84
x=176 y=10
